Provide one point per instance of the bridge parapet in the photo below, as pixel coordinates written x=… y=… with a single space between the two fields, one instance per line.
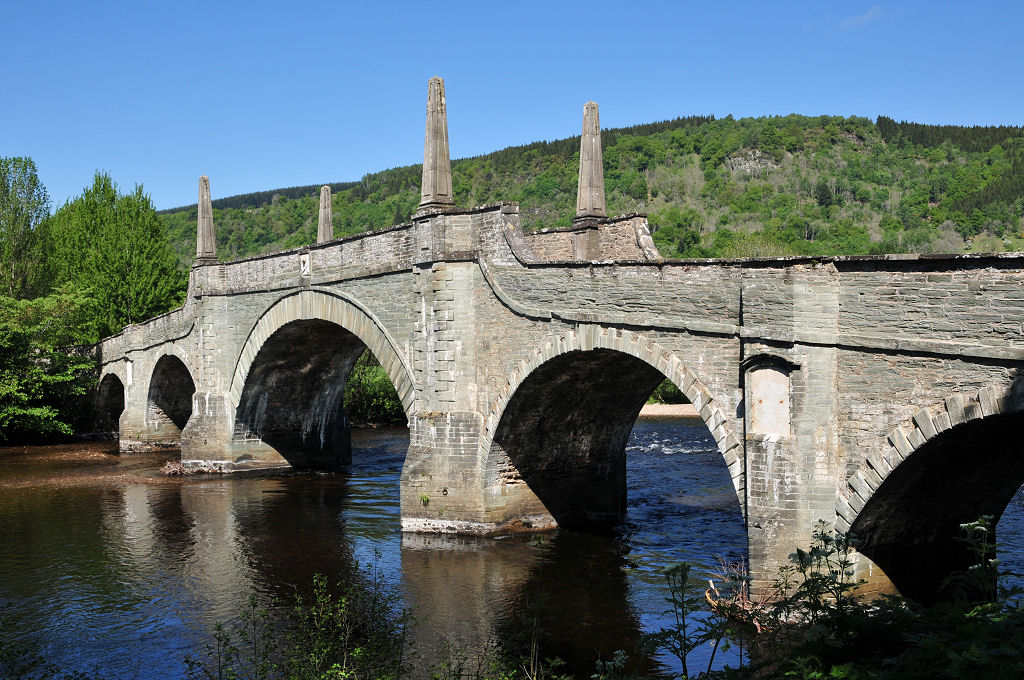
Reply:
x=174 y=325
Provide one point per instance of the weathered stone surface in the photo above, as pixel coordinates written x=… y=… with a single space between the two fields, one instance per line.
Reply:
x=590 y=192
x=206 y=241
x=325 y=226
x=496 y=340
x=436 y=189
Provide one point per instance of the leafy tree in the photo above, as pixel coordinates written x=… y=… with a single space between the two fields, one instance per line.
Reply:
x=369 y=395
x=24 y=205
x=113 y=246
x=769 y=138
x=41 y=373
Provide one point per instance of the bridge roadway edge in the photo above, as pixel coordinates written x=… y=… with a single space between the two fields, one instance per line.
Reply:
x=472 y=306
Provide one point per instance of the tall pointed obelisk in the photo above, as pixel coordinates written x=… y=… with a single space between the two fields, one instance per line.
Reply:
x=325 y=228
x=590 y=194
x=206 y=240
x=436 y=190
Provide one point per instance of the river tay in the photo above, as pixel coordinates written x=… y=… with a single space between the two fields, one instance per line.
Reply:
x=107 y=564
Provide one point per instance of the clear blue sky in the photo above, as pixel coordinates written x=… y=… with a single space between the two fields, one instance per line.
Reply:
x=266 y=95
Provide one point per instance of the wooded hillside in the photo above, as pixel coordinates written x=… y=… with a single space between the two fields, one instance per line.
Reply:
x=712 y=188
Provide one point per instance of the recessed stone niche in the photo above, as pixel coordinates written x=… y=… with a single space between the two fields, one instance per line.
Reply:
x=768 y=393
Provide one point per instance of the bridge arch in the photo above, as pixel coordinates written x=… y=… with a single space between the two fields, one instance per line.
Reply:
x=945 y=466
x=169 y=396
x=287 y=385
x=557 y=400
x=339 y=310
x=110 y=402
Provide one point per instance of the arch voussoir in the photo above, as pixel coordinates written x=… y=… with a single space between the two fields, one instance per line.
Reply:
x=909 y=436
x=335 y=308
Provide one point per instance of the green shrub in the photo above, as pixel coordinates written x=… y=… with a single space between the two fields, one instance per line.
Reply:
x=370 y=398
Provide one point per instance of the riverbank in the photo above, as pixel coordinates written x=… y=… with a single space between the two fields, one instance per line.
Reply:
x=79 y=464
x=669 y=410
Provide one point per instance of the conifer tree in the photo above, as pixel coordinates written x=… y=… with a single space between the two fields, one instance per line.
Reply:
x=24 y=206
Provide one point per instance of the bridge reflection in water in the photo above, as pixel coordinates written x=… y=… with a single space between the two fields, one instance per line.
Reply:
x=113 y=565
x=130 y=575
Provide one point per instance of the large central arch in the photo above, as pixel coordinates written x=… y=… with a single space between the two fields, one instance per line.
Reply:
x=286 y=389
x=555 y=437
x=949 y=466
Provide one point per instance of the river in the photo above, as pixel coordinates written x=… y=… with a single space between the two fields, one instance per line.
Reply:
x=107 y=564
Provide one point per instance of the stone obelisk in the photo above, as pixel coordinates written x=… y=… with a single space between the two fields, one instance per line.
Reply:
x=436 y=190
x=325 y=228
x=590 y=194
x=206 y=240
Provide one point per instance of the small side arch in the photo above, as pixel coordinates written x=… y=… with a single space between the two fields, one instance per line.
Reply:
x=622 y=367
x=339 y=310
x=944 y=466
x=169 y=396
x=110 y=402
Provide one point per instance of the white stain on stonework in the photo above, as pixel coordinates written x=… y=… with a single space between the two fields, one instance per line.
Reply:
x=324 y=407
x=769 y=401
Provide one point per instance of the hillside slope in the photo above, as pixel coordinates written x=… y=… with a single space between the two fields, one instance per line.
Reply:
x=712 y=188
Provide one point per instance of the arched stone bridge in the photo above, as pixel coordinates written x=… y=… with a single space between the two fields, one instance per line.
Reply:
x=878 y=394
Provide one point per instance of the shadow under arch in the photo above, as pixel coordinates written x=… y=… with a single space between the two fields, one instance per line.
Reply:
x=555 y=439
x=169 y=400
x=958 y=462
x=290 y=378
x=110 y=404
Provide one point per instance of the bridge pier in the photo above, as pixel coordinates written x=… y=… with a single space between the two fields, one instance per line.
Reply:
x=133 y=432
x=441 y=488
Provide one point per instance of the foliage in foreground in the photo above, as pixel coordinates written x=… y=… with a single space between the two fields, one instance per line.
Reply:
x=342 y=631
x=816 y=627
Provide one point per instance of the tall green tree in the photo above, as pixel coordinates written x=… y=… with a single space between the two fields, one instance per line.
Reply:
x=42 y=374
x=113 y=246
x=24 y=206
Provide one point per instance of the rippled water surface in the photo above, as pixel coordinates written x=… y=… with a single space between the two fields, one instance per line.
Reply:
x=105 y=563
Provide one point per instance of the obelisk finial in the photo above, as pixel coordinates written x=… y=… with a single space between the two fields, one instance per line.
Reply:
x=325 y=229
x=206 y=240
x=590 y=195
x=436 y=191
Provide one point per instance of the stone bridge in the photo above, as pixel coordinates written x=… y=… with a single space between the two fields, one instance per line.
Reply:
x=880 y=395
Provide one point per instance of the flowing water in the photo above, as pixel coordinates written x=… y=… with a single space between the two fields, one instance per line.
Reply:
x=107 y=564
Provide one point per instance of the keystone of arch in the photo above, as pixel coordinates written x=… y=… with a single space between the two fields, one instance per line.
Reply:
x=172 y=349
x=118 y=369
x=336 y=308
x=589 y=337
x=912 y=434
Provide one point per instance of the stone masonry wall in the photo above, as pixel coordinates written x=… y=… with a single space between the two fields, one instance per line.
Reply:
x=469 y=303
x=613 y=239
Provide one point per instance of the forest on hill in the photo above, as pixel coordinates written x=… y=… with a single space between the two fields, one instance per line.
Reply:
x=790 y=185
